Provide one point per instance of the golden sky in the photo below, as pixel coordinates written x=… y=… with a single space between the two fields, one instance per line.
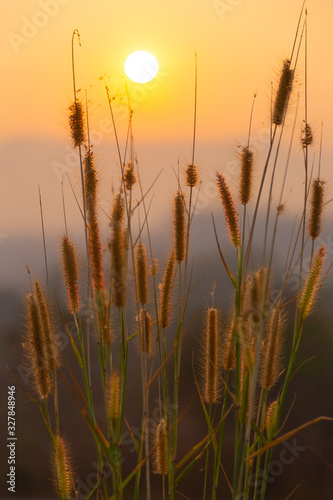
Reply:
x=240 y=46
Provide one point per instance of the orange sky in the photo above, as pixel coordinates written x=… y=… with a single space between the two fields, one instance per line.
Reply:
x=240 y=44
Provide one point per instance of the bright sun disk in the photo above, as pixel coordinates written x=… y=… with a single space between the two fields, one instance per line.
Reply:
x=141 y=66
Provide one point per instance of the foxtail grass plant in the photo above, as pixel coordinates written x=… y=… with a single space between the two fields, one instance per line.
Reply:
x=247 y=362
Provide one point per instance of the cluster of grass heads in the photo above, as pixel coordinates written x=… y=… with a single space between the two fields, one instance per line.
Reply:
x=240 y=363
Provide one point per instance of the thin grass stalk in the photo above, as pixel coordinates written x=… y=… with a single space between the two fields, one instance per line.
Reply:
x=87 y=368
x=290 y=368
x=145 y=417
x=88 y=388
x=128 y=213
x=258 y=461
x=238 y=434
x=207 y=458
x=279 y=206
x=271 y=188
x=167 y=419
x=253 y=376
x=88 y=391
x=249 y=244
x=306 y=150
x=218 y=454
x=177 y=357
x=159 y=335
x=278 y=149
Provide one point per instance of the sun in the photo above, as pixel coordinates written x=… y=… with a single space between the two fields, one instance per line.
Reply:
x=141 y=66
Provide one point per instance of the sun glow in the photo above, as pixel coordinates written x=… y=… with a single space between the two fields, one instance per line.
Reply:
x=141 y=66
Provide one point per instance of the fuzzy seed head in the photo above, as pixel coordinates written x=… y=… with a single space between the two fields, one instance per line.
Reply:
x=160 y=455
x=118 y=276
x=76 y=123
x=246 y=175
x=317 y=202
x=104 y=318
x=229 y=210
x=191 y=175
x=153 y=269
x=211 y=358
x=62 y=469
x=271 y=418
x=280 y=208
x=95 y=250
x=165 y=302
x=129 y=176
x=46 y=328
x=118 y=209
x=113 y=398
x=126 y=239
x=307 y=136
x=141 y=273
x=36 y=350
x=145 y=332
x=94 y=243
x=90 y=182
x=272 y=351
x=179 y=227
x=283 y=93
x=244 y=388
x=229 y=355
x=254 y=296
x=311 y=286
x=71 y=273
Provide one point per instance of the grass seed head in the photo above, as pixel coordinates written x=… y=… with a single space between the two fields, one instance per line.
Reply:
x=160 y=454
x=307 y=136
x=271 y=418
x=36 y=350
x=254 y=296
x=118 y=209
x=76 y=122
x=211 y=358
x=117 y=248
x=272 y=351
x=118 y=274
x=104 y=321
x=113 y=397
x=244 y=387
x=47 y=331
x=179 y=227
x=90 y=182
x=63 y=476
x=96 y=258
x=153 y=269
x=71 y=273
x=283 y=93
x=145 y=332
x=246 y=175
x=229 y=354
x=94 y=243
x=165 y=302
x=141 y=273
x=129 y=176
x=311 y=286
x=191 y=175
x=317 y=202
x=229 y=210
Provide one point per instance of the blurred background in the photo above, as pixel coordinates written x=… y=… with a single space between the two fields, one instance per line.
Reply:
x=240 y=46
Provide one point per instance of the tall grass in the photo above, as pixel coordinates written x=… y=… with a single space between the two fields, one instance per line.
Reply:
x=241 y=361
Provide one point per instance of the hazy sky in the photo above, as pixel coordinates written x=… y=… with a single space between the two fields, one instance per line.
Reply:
x=240 y=46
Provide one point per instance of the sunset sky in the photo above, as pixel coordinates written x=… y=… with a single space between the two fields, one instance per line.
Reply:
x=240 y=45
